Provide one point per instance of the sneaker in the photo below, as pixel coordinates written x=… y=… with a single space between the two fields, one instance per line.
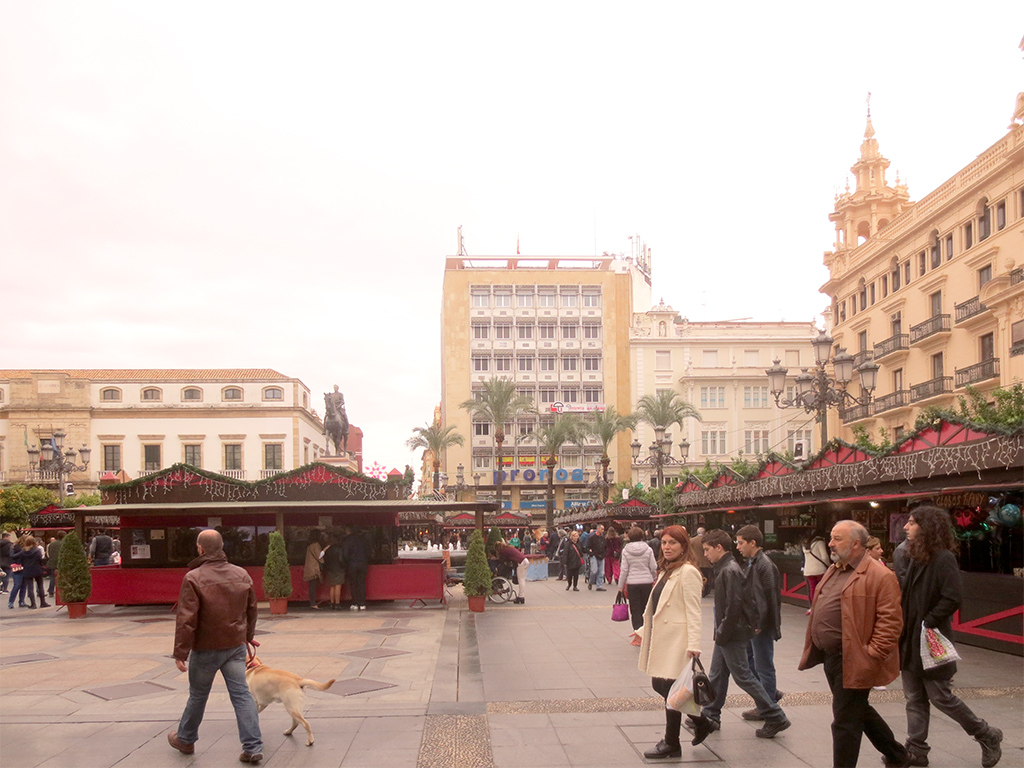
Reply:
x=808 y=613
x=600 y=589
x=178 y=744
x=752 y=714
x=662 y=750
x=575 y=589
x=769 y=730
x=990 y=749
x=353 y=607
x=246 y=757
x=362 y=607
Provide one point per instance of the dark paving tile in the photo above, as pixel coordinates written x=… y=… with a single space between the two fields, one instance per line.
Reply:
x=357 y=685
x=25 y=658
x=387 y=631
x=128 y=690
x=376 y=653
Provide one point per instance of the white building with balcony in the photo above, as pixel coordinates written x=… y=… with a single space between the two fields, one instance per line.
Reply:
x=243 y=423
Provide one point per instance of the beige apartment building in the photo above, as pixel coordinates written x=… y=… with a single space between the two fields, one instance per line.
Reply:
x=558 y=327
x=719 y=368
x=243 y=423
x=932 y=291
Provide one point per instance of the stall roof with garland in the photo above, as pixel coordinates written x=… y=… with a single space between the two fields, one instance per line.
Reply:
x=929 y=458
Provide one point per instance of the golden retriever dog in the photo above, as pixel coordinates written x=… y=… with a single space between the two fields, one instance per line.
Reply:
x=269 y=685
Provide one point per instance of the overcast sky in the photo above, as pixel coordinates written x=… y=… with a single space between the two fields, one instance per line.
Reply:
x=277 y=185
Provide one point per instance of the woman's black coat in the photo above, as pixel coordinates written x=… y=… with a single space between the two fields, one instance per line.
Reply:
x=932 y=593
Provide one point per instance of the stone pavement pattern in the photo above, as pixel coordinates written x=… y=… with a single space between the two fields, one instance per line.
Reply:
x=553 y=682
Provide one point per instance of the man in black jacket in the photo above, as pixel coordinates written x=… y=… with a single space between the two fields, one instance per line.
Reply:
x=766 y=592
x=597 y=546
x=932 y=593
x=5 y=559
x=733 y=630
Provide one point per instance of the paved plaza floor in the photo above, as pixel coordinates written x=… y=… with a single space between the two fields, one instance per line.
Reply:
x=550 y=683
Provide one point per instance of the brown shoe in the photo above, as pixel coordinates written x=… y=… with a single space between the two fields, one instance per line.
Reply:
x=178 y=744
x=245 y=757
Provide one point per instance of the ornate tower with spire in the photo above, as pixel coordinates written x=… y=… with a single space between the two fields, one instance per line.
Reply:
x=860 y=215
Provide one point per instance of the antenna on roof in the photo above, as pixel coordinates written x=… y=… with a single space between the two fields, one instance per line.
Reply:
x=461 y=250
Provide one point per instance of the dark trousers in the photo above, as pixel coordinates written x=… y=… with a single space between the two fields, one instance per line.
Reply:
x=637 y=595
x=314 y=587
x=572 y=577
x=853 y=717
x=673 y=719
x=357 y=585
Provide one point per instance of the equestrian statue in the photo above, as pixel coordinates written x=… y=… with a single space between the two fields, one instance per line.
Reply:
x=336 y=421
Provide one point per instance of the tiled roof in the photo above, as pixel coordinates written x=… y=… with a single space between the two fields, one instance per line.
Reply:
x=154 y=374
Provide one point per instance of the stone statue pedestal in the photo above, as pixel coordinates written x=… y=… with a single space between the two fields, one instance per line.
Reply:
x=346 y=461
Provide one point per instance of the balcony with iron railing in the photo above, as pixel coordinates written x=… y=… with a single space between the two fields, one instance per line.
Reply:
x=898 y=399
x=969 y=308
x=855 y=413
x=864 y=356
x=972 y=374
x=1017 y=348
x=933 y=325
x=1017 y=276
x=898 y=343
x=941 y=385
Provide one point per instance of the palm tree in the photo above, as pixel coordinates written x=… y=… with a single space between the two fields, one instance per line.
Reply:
x=550 y=438
x=436 y=439
x=605 y=426
x=498 y=403
x=661 y=410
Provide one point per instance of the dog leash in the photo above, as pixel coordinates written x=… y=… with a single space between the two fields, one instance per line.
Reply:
x=250 y=654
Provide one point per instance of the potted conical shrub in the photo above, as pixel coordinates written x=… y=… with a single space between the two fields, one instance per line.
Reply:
x=476 y=582
x=277 y=576
x=74 y=582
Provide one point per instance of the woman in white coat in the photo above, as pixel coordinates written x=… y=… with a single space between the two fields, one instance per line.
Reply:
x=670 y=634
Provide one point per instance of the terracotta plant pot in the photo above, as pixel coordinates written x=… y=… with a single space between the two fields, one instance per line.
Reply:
x=278 y=605
x=477 y=603
x=76 y=610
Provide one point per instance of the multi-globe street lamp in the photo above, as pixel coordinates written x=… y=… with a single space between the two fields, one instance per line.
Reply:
x=53 y=458
x=659 y=454
x=816 y=391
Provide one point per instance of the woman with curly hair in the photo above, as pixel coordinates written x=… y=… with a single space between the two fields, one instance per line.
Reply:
x=932 y=593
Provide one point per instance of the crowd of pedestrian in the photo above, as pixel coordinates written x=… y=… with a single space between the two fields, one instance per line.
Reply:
x=865 y=629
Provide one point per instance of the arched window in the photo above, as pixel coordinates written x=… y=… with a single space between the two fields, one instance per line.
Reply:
x=984 y=219
x=192 y=393
x=863 y=232
x=231 y=393
x=273 y=393
x=110 y=395
x=152 y=394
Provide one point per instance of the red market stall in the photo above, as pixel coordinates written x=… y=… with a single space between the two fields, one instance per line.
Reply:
x=161 y=515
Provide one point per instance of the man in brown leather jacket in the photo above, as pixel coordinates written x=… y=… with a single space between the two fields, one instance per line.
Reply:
x=216 y=618
x=855 y=625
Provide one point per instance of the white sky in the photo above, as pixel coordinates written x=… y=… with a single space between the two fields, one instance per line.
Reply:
x=277 y=185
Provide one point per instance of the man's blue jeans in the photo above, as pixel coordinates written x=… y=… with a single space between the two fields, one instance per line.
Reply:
x=202 y=668
x=762 y=662
x=731 y=658
x=596 y=570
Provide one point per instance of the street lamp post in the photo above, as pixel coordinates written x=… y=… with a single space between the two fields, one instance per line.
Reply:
x=659 y=454
x=53 y=458
x=817 y=391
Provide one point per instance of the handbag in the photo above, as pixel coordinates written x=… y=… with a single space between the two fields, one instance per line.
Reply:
x=681 y=695
x=936 y=648
x=703 y=693
x=620 y=611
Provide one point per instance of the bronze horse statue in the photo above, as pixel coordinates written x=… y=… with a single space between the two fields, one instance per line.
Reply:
x=336 y=420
